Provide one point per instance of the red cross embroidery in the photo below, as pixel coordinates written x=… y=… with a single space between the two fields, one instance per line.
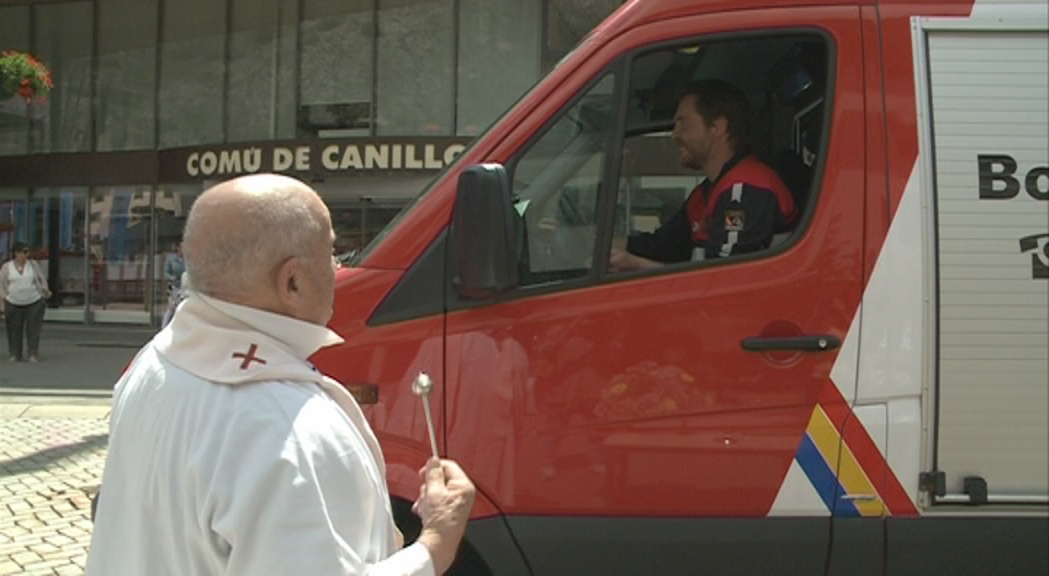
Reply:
x=249 y=357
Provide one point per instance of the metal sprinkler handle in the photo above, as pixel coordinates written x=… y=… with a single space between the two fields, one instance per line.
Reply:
x=421 y=387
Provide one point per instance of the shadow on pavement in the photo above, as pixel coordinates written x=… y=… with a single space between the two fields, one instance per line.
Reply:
x=44 y=459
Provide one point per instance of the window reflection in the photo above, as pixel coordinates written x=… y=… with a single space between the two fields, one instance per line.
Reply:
x=337 y=71
x=262 y=61
x=120 y=236
x=491 y=36
x=557 y=182
x=172 y=204
x=191 y=72
x=415 y=82
x=64 y=43
x=568 y=22
x=14 y=120
x=249 y=70
x=358 y=220
x=126 y=69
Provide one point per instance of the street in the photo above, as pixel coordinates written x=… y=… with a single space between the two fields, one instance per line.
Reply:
x=74 y=358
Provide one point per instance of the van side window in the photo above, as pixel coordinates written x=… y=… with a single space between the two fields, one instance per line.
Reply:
x=556 y=183
x=783 y=81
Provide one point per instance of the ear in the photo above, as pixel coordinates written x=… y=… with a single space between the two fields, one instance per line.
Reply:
x=289 y=283
x=720 y=125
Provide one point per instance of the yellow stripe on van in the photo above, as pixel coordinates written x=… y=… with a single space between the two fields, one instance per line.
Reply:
x=840 y=458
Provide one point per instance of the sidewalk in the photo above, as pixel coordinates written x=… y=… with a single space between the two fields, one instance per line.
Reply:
x=54 y=421
x=14 y=405
x=51 y=463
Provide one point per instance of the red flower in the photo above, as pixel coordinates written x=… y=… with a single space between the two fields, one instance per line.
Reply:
x=23 y=74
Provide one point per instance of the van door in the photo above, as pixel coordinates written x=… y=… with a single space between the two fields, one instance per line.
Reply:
x=653 y=422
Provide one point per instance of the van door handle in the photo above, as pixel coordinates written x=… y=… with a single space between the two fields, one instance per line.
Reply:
x=815 y=343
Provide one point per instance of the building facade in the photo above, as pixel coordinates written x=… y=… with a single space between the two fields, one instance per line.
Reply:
x=155 y=100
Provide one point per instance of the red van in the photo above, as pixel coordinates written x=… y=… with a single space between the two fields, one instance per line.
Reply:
x=866 y=396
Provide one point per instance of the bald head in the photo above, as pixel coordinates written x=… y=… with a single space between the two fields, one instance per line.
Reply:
x=240 y=232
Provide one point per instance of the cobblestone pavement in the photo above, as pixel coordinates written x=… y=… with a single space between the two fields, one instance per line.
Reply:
x=50 y=466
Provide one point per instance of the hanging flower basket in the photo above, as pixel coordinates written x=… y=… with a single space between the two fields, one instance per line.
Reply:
x=24 y=75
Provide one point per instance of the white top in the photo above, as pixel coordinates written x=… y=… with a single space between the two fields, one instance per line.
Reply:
x=229 y=454
x=21 y=286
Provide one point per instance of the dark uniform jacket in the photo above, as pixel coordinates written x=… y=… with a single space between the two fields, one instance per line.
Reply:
x=735 y=213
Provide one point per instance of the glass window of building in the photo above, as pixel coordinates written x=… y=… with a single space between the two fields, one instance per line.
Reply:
x=125 y=93
x=498 y=59
x=337 y=72
x=171 y=208
x=63 y=40
x=568 y=22
x=132 y=76
x=120 y=225
x=415 y=89
x=12 y=221
x=52 y=223
x=14 y=116
x=361 y=206
x=14 y=28
x=262 y=65
x=192 y=72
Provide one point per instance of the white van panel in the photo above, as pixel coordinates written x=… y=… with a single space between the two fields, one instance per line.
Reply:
x=988 y=97
x=892 y=331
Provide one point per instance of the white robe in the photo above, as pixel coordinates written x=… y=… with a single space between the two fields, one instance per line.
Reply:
x=229 y=454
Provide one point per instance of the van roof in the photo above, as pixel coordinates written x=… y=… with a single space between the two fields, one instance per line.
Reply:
x=637 y=12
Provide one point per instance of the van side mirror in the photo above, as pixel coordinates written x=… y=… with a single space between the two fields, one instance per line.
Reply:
x=484 y=233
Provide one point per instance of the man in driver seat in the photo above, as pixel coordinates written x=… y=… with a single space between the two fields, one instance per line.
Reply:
x=739 y=206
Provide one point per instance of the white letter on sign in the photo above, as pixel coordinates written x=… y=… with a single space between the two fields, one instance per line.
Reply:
x=282 y=159
x=302 y=158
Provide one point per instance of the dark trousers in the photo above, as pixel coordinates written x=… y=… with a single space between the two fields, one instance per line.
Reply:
x=28 y=319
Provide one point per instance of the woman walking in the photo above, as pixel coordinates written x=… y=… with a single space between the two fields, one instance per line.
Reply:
x=23 y=295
